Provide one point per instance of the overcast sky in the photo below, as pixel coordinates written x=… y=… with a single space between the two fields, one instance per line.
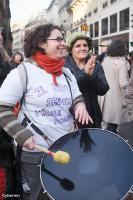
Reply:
x=22 y=9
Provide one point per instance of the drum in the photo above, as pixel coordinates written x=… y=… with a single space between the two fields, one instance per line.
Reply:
x=101 y=167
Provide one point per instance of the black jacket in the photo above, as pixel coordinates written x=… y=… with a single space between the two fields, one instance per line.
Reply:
x=101 y=57
x=6 y=147
x=13 y=65
x=4 y=69
x=7 y=156
x=90 y=87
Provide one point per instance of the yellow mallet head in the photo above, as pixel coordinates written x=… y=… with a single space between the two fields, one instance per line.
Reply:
x=61 y=157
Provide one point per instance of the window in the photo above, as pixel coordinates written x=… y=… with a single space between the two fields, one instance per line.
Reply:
x=85 y=16
x=104 y=26
x=113 y=23
x=95 y=10
x=89 y=14
x=124 y=19
x=74 y=30
x=96 y=29
x=81 y=19
x=91 y=30
x=112 y=1
x=105 y=4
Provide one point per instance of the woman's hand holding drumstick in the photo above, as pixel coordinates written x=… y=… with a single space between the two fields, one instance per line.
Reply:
x=60 y=156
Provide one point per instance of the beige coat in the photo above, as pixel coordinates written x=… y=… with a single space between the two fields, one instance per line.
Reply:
x=129 y=98
x=113 y=104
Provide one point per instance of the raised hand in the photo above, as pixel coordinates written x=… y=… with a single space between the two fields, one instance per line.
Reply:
x=90 y=65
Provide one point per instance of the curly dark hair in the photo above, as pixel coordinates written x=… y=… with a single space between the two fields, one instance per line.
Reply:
x=34 y=37
x=117 y=48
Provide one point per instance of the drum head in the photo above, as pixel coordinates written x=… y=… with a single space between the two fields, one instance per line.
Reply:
x=101 y=167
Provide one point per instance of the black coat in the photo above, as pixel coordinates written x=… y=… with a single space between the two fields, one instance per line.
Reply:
x=101 y=57
x=13 y=65
x=6 y=147
x=90 y=87
x=4 y=69
x=7 y=156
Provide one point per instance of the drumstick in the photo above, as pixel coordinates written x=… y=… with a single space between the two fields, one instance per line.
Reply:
x=59 y=156
x=65 y=183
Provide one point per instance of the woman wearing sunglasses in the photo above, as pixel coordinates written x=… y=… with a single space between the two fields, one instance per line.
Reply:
x=51 y=100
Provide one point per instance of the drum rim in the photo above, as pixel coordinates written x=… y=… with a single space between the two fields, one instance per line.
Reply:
x=43 y=186
x=117 y=136
x=107 y=131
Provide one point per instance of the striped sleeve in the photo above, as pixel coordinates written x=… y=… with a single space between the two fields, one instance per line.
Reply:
x=11 y=125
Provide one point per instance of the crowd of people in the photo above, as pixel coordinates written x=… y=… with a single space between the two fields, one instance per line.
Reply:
x=64 y=92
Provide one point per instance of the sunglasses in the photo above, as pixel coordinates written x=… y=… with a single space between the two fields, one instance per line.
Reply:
x=58 y=39
x=103 y=45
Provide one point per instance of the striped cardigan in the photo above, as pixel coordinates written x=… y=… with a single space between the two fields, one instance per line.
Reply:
x=11 y=125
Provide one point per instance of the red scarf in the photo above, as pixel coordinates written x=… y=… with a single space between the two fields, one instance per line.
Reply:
x=50 y=65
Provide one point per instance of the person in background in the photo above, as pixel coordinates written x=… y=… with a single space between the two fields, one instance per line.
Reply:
x=104 y=47
x=7 y=157
x=51 y=101
x=129 y=98
x=129 y=58
x=126 y=129
x=112 y=103
x=16 y=60
x=4 y=60
x=88 y=73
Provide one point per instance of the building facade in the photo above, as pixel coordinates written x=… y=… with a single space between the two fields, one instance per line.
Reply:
x=19 y=29
x=36 y=19
x=65 y=15
x=18 y=37
x=103 y=19
x=52 y=12
x=99 y=19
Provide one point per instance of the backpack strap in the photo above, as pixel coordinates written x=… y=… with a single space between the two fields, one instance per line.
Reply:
x=24 y=79
x=67 y=73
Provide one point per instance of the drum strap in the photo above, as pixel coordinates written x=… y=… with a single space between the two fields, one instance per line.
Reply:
x=26 y=121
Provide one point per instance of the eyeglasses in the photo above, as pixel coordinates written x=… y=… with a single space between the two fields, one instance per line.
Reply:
x=103 y=45
x=58 y=39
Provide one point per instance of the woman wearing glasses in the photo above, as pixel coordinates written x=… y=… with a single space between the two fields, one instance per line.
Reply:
x=47 y=101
